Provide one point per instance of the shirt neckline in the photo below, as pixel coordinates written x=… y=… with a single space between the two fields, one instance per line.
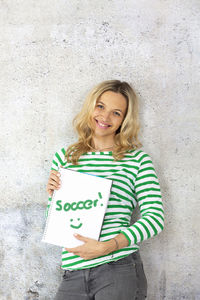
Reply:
x=99 y=152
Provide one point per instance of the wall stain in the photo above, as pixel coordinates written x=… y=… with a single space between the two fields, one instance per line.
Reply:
x=162 y=285
x=33 y=293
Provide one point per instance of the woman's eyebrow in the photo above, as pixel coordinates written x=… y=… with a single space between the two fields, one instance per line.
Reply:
x=101 y=102
x=105 y=105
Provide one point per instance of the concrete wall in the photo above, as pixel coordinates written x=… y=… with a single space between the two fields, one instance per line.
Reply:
x=52 y=53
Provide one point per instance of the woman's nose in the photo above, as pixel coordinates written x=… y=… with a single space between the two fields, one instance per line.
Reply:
x=106 y=115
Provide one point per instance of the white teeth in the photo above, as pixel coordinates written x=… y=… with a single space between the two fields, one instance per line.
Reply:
x=102 y=124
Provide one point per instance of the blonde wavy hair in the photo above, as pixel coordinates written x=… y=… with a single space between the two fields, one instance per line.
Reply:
x=126 y=137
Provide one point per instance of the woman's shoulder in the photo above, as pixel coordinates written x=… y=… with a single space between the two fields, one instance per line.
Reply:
x=139 y=154
x=60 y=152
x=59 y=158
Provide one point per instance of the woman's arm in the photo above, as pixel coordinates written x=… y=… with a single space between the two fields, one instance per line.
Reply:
x=93 y=248
x=149 y=198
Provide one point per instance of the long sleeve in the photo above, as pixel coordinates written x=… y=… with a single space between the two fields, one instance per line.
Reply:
x=58 y=160
x=149 y=198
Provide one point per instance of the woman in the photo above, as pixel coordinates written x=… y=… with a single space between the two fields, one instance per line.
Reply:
x=108 y=146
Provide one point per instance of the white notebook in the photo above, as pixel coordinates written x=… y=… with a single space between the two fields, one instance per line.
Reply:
x=77 y=207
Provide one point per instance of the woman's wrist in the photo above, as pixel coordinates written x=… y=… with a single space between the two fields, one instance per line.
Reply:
x=116 y=243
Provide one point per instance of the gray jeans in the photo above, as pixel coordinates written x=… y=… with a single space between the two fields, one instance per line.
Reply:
x=121 y=280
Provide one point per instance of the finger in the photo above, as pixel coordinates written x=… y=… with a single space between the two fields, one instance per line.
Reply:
x=51 y=188
x=54 y=183
x=54 y=177
x=73 y=250
x=75 y=253
x=50 y=192
x=55 y=172
x=80 y=237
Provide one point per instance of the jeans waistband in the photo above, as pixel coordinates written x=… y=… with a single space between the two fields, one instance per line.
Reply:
x=135 y=256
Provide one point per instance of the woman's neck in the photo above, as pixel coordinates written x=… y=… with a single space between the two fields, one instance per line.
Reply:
x=103 y=149
x=99 y=145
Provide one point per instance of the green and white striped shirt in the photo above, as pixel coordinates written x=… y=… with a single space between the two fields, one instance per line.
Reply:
x=134 y=183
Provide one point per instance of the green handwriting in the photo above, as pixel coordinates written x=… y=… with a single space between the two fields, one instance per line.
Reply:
x=88 y=204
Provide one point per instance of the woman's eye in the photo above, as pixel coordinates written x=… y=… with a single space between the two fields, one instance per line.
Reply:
x=100 y=106
x=116 y=113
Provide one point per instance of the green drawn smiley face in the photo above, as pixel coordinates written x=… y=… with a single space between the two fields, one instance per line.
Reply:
x=76 y=226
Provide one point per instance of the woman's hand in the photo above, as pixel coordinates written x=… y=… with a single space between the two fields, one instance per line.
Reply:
x=90 y=249
x=53 y=182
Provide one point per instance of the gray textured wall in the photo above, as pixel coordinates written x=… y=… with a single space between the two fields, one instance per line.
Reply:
x=52 y=53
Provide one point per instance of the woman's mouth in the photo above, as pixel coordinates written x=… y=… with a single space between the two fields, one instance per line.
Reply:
x=102 y=125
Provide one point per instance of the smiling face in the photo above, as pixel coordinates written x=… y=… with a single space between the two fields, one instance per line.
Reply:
x=78 y=225
x=108 y=115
